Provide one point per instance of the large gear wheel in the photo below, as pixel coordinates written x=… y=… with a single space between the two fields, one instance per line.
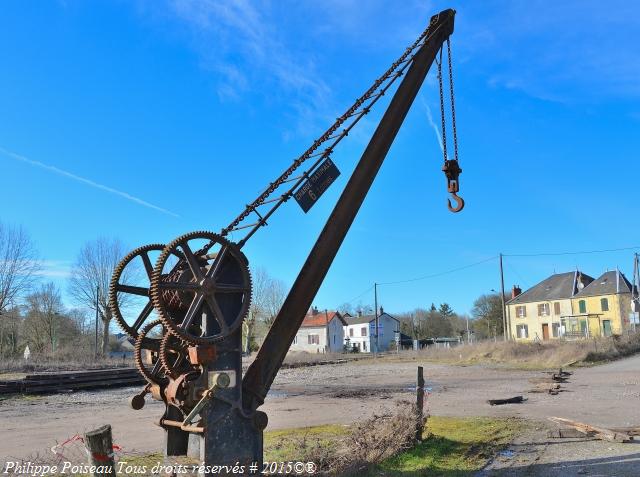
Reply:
x=121 y=288
x=213 y=292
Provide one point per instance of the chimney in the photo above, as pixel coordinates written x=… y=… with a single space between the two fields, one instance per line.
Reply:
x=360 y=313
x=381 y=310
x=515 y=291
x=314 y=310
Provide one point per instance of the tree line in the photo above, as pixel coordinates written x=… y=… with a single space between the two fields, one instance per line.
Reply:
x=484 y=321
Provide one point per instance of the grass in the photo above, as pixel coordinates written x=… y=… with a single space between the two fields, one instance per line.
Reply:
x=294 y=444
x=452 y=447
x=529 y=355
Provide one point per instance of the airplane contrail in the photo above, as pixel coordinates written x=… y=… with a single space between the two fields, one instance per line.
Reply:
x=432 y=123
x=88 y=182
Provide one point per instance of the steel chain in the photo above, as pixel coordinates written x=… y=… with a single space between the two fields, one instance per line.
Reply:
x=453 y=108
x=318 y=142
x=444 y=129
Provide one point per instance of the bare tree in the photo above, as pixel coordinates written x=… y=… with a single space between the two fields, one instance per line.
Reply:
x=275 y=295
x=44 y=312
x=18 y=264
x=268 y=295
x=90 y=277
x=259 y=280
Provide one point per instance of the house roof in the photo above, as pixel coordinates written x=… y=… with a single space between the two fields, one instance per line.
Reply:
x=609 y=283
x=359 y=320
x=318 y=318
x=556 y=287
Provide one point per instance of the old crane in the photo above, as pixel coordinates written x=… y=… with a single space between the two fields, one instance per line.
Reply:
x=200 y=286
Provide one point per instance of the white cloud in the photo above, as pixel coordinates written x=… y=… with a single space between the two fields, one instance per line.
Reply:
x=238 y=41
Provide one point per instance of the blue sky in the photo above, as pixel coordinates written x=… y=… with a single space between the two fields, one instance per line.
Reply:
x=113 y=110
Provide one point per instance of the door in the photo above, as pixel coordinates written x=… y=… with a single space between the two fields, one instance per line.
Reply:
x=545 y=331
x=606 y=327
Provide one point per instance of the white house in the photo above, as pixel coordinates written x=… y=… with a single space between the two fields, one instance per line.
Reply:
x=320 y=332
x=360 y=331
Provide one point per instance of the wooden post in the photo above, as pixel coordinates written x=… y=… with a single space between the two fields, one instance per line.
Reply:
x=100 y=446
x=420 y=404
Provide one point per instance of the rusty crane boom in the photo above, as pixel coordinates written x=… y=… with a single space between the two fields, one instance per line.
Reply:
x=200 y=287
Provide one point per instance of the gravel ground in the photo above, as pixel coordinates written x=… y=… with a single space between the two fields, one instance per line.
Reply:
x=605 y=395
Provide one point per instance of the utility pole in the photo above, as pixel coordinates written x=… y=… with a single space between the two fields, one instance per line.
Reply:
x=635 y=298
x=468 y=337
x=97 y=292
x=327 y=348
x=504 y=314
x=375 y=304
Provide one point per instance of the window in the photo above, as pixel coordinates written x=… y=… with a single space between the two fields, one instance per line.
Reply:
x=295 y=339
x=350 y=331
x=556 y=307
x=313 y=339
x=364 y=346
x=582 y=306
x=543 y=309
x=521 y=311
x=604 y=304
x=363 y=331
x=555 y=330
x=522 y=331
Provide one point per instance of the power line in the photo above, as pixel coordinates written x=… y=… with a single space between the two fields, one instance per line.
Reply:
x=552 y=254
x=434 y=275
x=360 y=295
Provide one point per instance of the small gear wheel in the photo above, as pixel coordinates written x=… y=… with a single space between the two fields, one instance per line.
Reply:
x=154 y=373
x=132 y=278
x=213 y=292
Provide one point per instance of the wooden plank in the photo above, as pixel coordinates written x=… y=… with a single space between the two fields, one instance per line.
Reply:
x=600 y=432
x=513 y=400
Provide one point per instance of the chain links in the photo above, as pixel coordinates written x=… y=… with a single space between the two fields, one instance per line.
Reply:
x=444 y=128
x=453 y=107
x=273 y=186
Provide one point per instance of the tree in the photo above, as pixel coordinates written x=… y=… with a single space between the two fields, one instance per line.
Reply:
x=42 y=321
x=18 y=269
x=487 y=314
x=267 y=298
x=90 y=277
x=446 y=310
x=18 y=264
x=275 y=295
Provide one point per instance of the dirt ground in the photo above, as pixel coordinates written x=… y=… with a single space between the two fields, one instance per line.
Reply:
x=607 y=395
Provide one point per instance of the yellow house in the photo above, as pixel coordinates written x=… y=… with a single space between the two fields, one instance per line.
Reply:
x=536 y=314
x=602 y=308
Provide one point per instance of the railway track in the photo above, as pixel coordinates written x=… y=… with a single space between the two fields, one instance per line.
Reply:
x=49 y=383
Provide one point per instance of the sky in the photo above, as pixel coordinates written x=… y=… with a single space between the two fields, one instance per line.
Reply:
x=144 y=120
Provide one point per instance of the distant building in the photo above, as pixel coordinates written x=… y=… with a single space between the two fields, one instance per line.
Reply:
x=360 y=331
x=536 y=314
x=602 y=308
x=320 y=332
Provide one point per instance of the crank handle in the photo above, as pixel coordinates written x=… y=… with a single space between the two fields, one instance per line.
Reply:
x=221 y=380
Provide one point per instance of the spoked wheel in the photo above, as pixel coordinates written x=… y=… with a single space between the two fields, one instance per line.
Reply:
x=152 y=371
x=209 y=297
x=129 y=288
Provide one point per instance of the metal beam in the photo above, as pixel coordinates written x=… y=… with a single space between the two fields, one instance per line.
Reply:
x=263 y=370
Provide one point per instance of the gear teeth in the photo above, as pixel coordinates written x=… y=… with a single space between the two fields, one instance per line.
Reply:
x=156 y=278
x=115 y=278
x=164 y=355
x=137 y=353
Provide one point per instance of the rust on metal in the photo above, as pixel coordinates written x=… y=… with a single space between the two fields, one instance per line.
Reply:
x=202 y=354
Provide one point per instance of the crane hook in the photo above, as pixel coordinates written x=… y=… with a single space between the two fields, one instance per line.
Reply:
x=459 y=200
x=452 y=170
